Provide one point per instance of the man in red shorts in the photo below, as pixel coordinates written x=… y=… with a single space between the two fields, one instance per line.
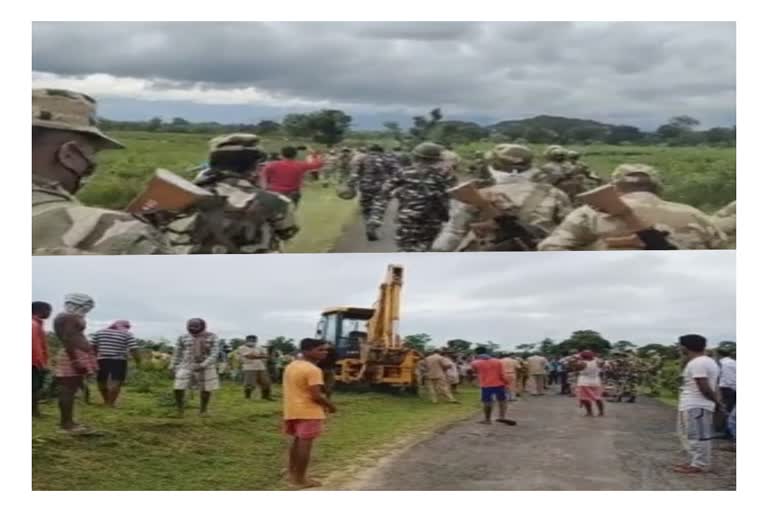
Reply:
x=304 y=408
x=493 y=383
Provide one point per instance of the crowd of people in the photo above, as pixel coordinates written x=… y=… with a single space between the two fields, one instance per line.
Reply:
x=529 y=204
x=707 y=399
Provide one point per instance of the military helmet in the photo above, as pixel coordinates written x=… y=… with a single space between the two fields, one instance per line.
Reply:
x=428 y=151
x=345 y=192
x=59 y=109
x=234 y=142
x=555 y=151
x=636 y=173
x=346 y=150
x=570 y=154
x=512 y=154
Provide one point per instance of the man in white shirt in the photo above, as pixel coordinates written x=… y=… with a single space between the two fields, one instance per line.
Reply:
x=253 y=362
x=697 y=403
x=727 y=384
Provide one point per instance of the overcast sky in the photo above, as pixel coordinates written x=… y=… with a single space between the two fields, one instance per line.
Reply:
x=639 y=73
x=507 y=298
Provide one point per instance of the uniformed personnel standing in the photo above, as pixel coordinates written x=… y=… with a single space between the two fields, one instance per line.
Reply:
x=639 y=186
x=421 y=192
x=242 y=218
x=65 y=140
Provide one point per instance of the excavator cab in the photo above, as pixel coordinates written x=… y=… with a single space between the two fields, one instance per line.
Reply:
x=345 y=328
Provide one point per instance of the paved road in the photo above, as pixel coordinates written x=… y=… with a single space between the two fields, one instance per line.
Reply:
x=353 y=238
x=553 y=447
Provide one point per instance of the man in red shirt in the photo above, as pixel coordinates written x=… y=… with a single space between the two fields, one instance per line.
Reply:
x=287 y=175
x=40 y=312
x=493 y=382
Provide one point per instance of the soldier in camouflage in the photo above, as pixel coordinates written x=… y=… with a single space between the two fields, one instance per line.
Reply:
x=725 y=219
x=343 y=165
x=555 y=167
x=639 y=186
x=421 y=192
x=242 y=218
x=624 y=376
x=368 y=177
x=480 y=169
x=65 y=139
x=576 y=177
x=539 y=206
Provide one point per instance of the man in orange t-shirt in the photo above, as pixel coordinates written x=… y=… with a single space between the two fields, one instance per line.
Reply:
x=304 y=408
x=40 y=312
x=493 y=382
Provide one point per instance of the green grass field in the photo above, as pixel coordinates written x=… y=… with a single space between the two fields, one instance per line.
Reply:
x=239 y=447
x=704 y=177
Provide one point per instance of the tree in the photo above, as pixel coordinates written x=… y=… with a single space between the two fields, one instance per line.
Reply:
x=283 y=345
x=720 y=135
x=539 y=135
x=623 y=133
x=526 y=347
x=490 y=346
x=328 y=126
x=624 y=345
x=422 y=127
x=154 y=124
x=684 y=122
x=236 y=342
x=585 y=340
x=394 y=130
x=548 y=347
x=296 y=125
x=179 y=121
x=418 y=342
x=267 y=127
x=458 y=345
x=728 y=345
x=665 y=351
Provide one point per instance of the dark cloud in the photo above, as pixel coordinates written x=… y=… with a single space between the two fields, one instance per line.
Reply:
x=508 y=298
x=503 y=68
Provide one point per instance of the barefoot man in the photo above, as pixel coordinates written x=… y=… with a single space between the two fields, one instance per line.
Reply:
x=194 y=365
x=76 y=359
x=490 y=377
x=304 y=408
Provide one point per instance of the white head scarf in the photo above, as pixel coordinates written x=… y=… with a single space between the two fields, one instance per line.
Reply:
x=78 y=303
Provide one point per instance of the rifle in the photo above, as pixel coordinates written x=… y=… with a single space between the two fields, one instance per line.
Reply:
x=166 y=193
x=510 y=233
x=606 y=199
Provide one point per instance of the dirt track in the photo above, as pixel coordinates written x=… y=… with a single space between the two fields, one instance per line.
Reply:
x=553 y=447
x=353 y=238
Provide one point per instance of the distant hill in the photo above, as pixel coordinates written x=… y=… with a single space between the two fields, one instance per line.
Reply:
x=556 y=123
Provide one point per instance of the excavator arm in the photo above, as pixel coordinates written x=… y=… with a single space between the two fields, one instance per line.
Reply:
x=383 y=325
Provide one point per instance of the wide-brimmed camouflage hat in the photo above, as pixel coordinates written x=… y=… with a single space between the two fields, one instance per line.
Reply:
x=59 y=109
x=636 y=173
x=428 y=151
x=511 y=153
x=555 y=150
x=234 y=142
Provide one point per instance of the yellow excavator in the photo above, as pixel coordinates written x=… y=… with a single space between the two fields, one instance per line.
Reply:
x=367 y=345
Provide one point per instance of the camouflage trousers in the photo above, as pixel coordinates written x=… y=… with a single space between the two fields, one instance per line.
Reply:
x=369 y=208
x=415 y=231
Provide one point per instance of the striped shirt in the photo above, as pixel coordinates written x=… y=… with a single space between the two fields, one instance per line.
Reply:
x=113 y=344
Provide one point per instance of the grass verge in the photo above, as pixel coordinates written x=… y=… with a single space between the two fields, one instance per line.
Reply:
x=239 y=447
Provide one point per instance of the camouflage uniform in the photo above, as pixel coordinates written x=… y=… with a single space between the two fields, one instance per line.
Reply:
x=61 y=225
x=368 y=177
x=725 y=219
x=535 y=204
x=242 y=218
x=555 y=168
x=587 y=229
x=343 y=166
x=421 y=192
x=576 y=177
x=480 y=170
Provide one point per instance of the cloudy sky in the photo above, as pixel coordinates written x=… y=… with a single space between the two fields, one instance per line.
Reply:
x=640 y=73
x=507 y=298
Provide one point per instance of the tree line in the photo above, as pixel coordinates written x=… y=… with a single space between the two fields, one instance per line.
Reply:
x=577 y=341
x=330 y=127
